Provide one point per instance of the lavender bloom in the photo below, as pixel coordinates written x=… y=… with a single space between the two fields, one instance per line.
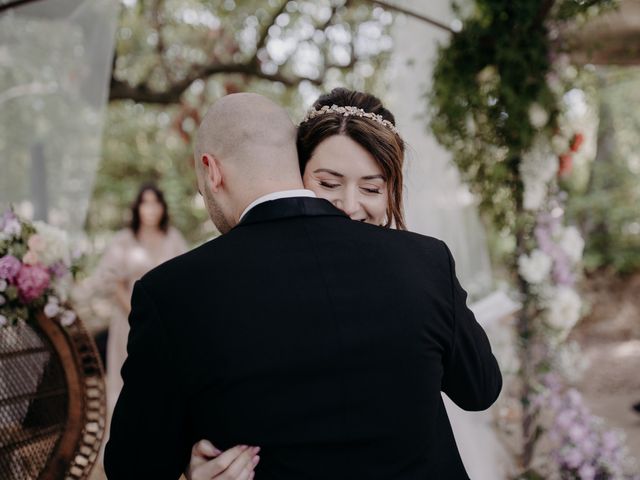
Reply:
x=9 y=267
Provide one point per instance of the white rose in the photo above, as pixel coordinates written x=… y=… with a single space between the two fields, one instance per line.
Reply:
x=538 y=166
x=2 y=300
x=3 y=284
x=67 y=318
x=538 y=116
x=534 y=196
x=560 y=144
x=3 y=320
x=62 y=287
x=56 y=244
x=536 y=267
x=470 y=125
x=572 y=243
x=51 y=310
x=564 y=309
x=571 y=362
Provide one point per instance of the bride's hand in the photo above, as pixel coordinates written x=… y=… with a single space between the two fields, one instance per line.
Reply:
x=209 y=463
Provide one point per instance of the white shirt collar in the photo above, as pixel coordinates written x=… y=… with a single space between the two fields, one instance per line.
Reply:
x=276 y=196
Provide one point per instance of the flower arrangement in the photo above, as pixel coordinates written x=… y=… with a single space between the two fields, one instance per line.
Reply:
x=36 y=271
x=501 y=104
x=581 y=446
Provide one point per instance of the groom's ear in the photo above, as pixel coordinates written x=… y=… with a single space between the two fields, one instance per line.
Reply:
x=213 y=172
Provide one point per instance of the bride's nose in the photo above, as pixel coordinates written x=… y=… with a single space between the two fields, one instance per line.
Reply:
x=349 y=204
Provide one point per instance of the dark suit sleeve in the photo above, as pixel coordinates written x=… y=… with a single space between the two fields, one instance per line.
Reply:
x=147 y=438
x=472 y=377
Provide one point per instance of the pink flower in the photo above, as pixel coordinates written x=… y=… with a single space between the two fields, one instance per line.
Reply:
x=31 y=258
x=36 y=243
x=32 y=281
x=9 y=267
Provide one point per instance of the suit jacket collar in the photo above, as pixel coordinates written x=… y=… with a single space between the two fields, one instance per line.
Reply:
x=290 y=207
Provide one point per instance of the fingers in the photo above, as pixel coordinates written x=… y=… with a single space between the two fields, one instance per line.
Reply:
x=228 y=465
x=247 y=474
x=242 y=467
x=205 y=448
x=202 y=452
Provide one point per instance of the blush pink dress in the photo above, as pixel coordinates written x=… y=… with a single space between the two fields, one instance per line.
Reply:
x=126 y=260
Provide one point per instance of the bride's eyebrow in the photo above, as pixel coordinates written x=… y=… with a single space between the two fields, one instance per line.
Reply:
x=332 y=172
x=374 y=177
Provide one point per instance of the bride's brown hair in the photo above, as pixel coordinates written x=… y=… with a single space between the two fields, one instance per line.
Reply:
x=386 y=146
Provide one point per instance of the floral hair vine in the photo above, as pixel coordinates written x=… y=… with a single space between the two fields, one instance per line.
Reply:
x=350 y=111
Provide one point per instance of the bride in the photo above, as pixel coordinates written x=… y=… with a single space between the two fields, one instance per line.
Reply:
x=360 y=173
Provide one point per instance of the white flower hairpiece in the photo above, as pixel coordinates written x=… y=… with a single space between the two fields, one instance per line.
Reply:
x=350 y=111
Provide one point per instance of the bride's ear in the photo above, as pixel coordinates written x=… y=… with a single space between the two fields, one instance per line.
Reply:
x=213 y=171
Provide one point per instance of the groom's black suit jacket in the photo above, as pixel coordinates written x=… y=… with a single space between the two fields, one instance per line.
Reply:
x=323 y=340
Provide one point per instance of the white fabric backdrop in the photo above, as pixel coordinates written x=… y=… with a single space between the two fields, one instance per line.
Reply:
x=55 y=65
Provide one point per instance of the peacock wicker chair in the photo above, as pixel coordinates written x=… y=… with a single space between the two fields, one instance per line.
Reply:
x=52 y=401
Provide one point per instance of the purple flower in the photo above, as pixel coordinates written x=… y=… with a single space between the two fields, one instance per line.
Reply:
x=573 y=458
x=610 y=441
x=577 y=433
x=562 y=273
x=588 y=447
x=9 y=267
x=32 y=281
x=11 y=225
x=58 y=269
x=6 y=216
x=587 y=472
x=565 y=419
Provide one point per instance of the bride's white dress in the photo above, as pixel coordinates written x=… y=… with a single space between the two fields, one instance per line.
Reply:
x=439 y=205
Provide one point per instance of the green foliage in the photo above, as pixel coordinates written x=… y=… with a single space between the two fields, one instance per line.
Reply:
x=328 y=43
x=485 y=82
x=571 y=8
x=139 y=146
x=608 y=207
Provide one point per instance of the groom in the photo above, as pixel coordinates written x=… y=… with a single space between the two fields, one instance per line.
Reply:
x=322 y=340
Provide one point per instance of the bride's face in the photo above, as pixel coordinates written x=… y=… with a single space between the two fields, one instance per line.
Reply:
x=343 y=172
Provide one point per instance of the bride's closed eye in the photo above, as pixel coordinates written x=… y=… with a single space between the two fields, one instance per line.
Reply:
x=372 y=190
x=329 y=185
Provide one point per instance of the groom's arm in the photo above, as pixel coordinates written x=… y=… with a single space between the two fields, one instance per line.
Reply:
x=472 y=377
x=148 y=429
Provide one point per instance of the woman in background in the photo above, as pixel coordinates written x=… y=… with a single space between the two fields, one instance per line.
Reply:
x=148 y=241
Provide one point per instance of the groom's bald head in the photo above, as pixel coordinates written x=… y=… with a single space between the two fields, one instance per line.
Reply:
x=245 y=148
x=249 y=130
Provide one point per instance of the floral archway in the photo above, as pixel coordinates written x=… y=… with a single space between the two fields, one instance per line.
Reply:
x=502 y=104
